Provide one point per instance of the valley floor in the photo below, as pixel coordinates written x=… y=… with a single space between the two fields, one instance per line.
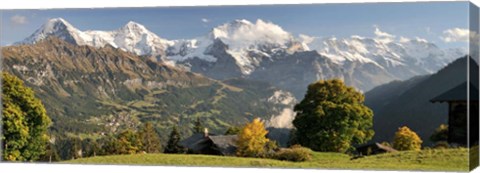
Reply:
x=425 y=160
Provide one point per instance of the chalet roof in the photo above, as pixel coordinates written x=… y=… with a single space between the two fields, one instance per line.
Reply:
x=386 y=148
x=376 y=145
x=458 y=93
x=226 y=144
x=196 y=142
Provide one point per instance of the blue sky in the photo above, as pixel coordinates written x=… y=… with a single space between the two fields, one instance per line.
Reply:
x=426 y=20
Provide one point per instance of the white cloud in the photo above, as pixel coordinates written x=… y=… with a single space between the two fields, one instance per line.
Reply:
x=243 y=33
x=456 y=35
x=383 y=36
x=19 y=20
x=421 y=39
x=404 y=40
x=306 y=39
x=357 y=37
x=380 y=33
x=205 y=20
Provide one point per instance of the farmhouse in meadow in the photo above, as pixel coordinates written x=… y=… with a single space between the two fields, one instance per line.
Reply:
x=206 y=143
x=457 y=113
x=373 y=148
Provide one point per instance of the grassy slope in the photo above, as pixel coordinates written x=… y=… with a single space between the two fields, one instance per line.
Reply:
x=443 y=159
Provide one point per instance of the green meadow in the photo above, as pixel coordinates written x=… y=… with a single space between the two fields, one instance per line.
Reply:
x=425 y=160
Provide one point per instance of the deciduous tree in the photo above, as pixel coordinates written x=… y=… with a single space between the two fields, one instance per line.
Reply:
x=90 y=147
x=252 y=139
x=109 y=145
x=332 y=117
x=51 y=154
x=150 y=140
x=24 y=122
x=129 y=142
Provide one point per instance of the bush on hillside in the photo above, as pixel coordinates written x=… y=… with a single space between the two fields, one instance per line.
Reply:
x=406 y=139
x=296 y=153
x=441 y=144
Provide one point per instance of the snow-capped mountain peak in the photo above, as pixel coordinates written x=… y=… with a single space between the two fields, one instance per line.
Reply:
x=132 y=37
x=56 y=24
x=135 y=27
x=247 y=42
x=57 y=27
x=384 y=50
x=136 y=38
x=133 y=24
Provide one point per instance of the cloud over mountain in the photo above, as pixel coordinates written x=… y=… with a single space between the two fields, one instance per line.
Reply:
x=456 y=35
x=383 y=36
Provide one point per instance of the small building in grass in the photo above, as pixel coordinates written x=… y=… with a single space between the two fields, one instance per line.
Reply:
x=459 y=102
x=373 y=148
x=207 y=143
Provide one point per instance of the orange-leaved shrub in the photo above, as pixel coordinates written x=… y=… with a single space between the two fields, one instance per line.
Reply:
x=406 y=139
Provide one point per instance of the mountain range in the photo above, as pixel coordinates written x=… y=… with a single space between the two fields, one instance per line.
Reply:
x=94 y=91
x=261 y=50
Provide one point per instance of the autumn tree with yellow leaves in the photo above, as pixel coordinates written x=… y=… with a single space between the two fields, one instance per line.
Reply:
x=252 y=139
x=406 y=139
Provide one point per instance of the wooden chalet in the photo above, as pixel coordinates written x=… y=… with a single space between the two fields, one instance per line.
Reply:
x=373 y=148
x=206 y=143
x=457 y=99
